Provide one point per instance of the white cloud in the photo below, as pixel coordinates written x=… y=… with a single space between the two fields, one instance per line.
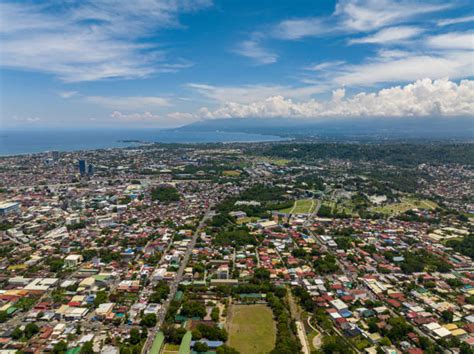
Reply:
x=129 y=103
x=27 y=120
x=393 y=53
x=368 y=15
x=251 y=48
x=303 y=27
x=452 y=40
x=325 y=65
x=134 y=116
x=85 y=41
x=250 y=93
x=454 y=65
x=453 y=21
x=350 y=16
x=353 y=16
x=391 y=34
x=170 y=119
x=421 y=98
x=67 y=94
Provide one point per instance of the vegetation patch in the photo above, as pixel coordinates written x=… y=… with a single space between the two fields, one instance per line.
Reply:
x=302 y=206
x=405 y=205
x=251 y=329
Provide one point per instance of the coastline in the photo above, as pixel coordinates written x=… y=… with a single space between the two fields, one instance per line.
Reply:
x=29 y=142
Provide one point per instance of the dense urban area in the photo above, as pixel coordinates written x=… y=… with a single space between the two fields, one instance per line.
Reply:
x=281 y=248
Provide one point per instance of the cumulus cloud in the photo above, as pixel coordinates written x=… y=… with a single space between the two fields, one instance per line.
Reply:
x=422 y=98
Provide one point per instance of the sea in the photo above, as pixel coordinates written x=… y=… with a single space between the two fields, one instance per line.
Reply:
x=17 y=142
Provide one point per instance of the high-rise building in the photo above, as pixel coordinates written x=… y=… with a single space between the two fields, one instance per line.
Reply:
x=55 y=155
x=90 y=169
x=82 y=167
x=8 y=208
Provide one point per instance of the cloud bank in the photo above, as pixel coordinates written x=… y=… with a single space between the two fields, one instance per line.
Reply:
x=422 y=98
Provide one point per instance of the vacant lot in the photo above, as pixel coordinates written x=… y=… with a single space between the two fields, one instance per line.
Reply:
x=251 y=329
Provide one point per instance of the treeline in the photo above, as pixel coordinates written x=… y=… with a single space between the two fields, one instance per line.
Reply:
x=286 y=339
x=418 y=261
x=401 y=154
x=165 y=194
x=270 y=198
x=464 y=246
x=234 y=237
x=312 y=181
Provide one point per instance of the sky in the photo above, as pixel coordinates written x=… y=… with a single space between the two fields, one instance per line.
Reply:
x=166 y=63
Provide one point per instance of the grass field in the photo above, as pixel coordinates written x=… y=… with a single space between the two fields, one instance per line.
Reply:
x=251 y=329
x=170 y=349
x=231 y=173
x=405 y=205
x=246 y=220
x=302 y=206
x=275 y=161
x=345 y=206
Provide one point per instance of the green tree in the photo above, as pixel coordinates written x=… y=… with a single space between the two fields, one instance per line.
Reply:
x=447 y=316
x=149 y=320
x=193 y=309
x=333 y=345
x=60 y=347
x=87 y=348
x=17 y=333
x=3 y=316
x=135 y=336
x=30 y=330
x=201 y=347
x=100 y=298
x=224 y=349
x=55 y=265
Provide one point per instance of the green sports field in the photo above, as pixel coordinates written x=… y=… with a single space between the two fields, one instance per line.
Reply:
x=251 y=329
x=302 y=206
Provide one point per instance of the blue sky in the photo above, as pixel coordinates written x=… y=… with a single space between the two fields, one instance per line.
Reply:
x=167 y=63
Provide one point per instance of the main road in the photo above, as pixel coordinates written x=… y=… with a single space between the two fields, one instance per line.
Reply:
x=174 y=284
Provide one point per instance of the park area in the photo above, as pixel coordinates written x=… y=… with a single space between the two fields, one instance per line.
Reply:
x=405 y=205
x=251 y=329
x=302 y=206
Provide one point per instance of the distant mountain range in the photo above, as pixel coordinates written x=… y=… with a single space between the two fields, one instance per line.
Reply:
x=357 y=128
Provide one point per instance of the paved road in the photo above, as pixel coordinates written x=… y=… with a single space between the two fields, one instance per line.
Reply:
x=311 y=217
x=174 y=285
x=296 y=315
